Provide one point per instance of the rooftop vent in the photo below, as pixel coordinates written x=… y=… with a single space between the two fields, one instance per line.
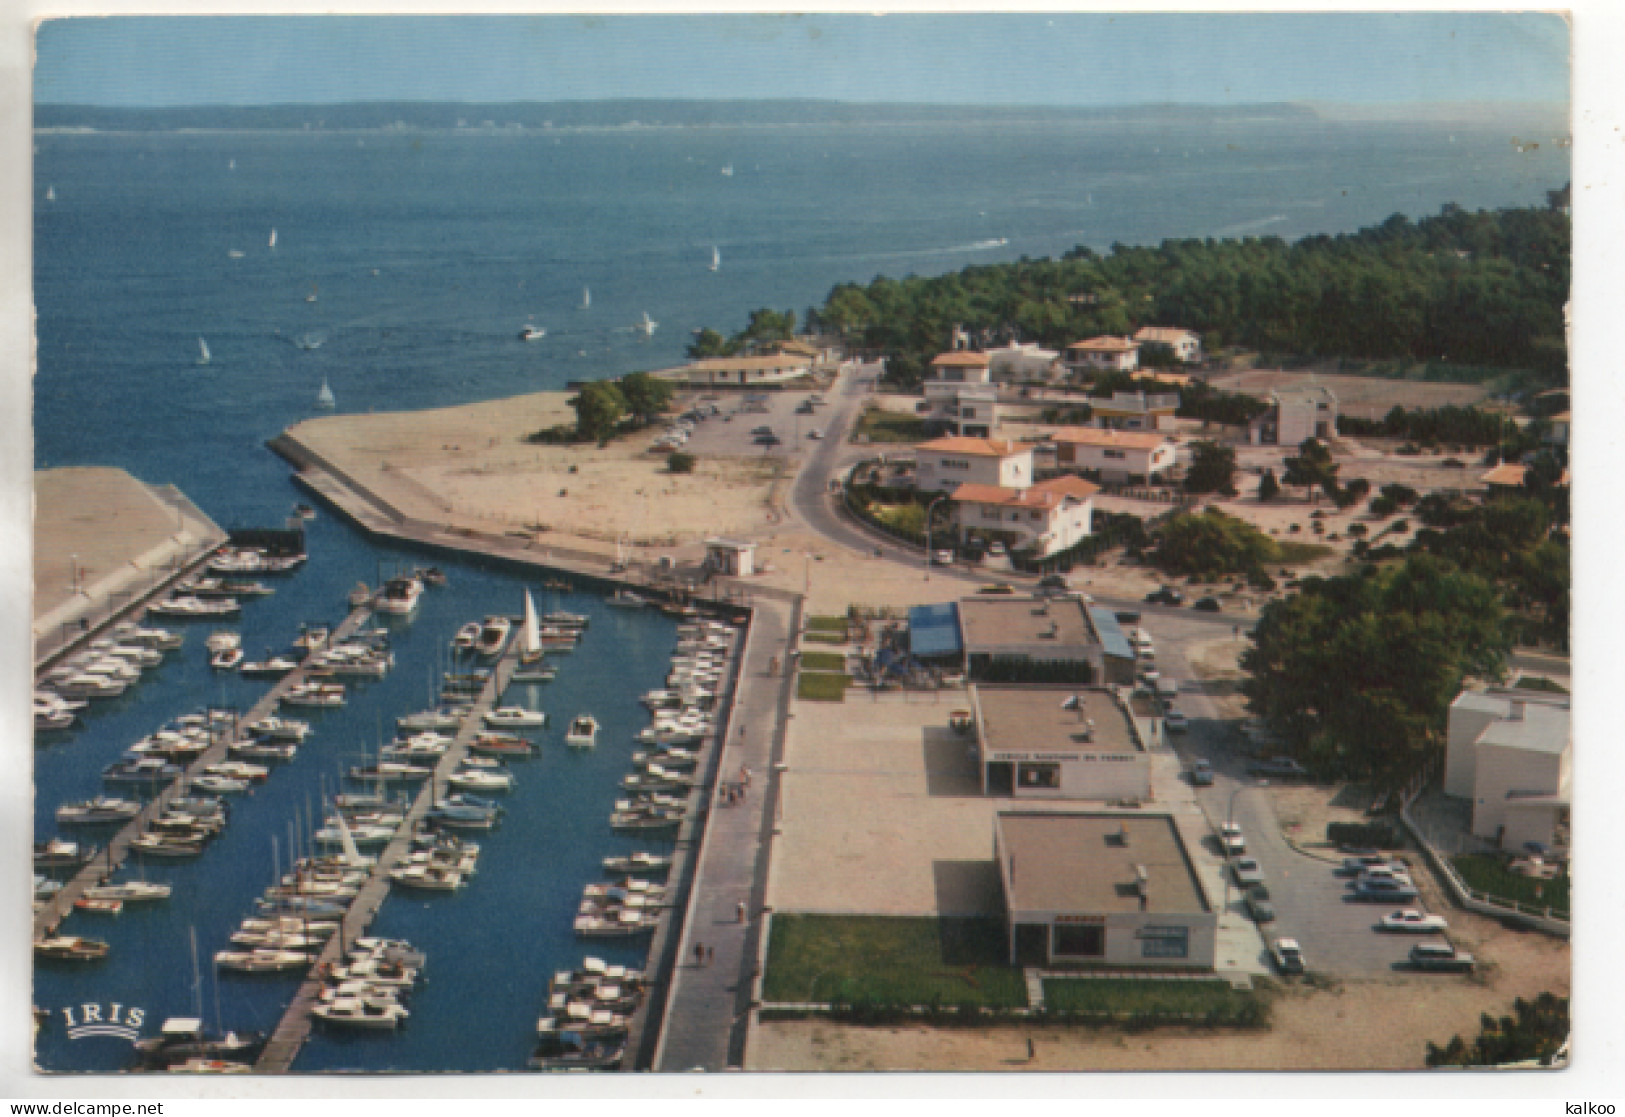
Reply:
x=1517 y=710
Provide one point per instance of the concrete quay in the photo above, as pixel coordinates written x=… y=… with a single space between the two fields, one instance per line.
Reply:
x=118 y=847
x=294 y=1028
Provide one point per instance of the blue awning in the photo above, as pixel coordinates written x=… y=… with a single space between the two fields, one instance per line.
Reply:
x=933 y=630
x=1112 y=640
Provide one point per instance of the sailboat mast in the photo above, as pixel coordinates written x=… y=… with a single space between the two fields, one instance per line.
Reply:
x=197 y=977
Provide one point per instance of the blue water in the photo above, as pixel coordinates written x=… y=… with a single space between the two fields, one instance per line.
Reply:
x=427 y=253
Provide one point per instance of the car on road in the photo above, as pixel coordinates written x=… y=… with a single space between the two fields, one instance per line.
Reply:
x=1167 y=595
x=1287 y=955
x=1230 y=839
x=1409 y=919
x=1054 y=582
x=1128 y=616
x=1282 y=767
x=1202 y=774
x=815 y=433
x=997 y=587
x=1206 y=604
x=942 y=556
x=1259 y=905
x=1247 y=871
x=1175 y=722
x=1440 y=957
x=761 y=430
x=768 y=439
x=1150 y=676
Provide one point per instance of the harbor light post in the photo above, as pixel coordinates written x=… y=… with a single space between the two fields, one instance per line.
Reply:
x=929 y=509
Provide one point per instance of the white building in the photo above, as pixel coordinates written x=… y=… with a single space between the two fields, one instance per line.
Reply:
x=746 y=371
x=1106 y=353
x=944 y=464
x=1058 y=742
x=731 y=556
x=1115 y=456
x=1047 y=517
x=1186 y=344
x=1136 y=411
x=1102 y=890
x=959 y=367
x=1297 y=412
x=1017 y=361
x=1510 y=753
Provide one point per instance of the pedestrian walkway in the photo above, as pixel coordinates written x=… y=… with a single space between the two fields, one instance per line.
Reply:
x=709 y=1000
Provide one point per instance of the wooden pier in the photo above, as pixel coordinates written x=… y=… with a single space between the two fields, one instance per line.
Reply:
x=294 y=1028
x=109 y=859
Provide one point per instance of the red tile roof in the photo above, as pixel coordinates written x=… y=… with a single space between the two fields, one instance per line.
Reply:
x=974 y=447
x=1043 y=496
x=960 y=358
x=1106 y=344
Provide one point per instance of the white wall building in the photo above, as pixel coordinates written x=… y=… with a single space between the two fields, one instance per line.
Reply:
x=746 y=371
x=1186 y=344
x=1136 y=411
x=1105 y=353
x=1058 y=742
x=1117 y=457
x=1510 y=753
x=1018 y=361
x=960 y=367
x=944 y=464
x=1047 y=517
x=1296 y=412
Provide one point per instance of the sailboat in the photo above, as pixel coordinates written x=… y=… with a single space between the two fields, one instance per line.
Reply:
x=586 y=299
x=324 y=398
x=310 y=298
x=272 y=244
x=647 y=326
x=531 y=669
x=232 y=165
x=716 y=258
x=50 y=193
x=203 y=352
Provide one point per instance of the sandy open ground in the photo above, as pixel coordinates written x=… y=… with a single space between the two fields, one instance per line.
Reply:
x=470 y=466
x=1368 y=397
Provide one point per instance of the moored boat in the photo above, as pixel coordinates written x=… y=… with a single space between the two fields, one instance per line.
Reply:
x=583 y=732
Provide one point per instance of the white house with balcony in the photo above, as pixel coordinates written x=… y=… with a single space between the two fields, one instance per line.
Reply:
x=1044 y=518
x=1117 y=457
x=1509 y=752
x=1297 y=412
x=1186 y=344
x=1103 y=354
x=944 y=464
x=1018 y=361
x=1136 y=411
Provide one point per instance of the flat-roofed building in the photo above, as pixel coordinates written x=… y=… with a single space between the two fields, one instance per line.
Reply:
x=1049 y=742
x=943 y=464
x=1026 y=639
x=1135 y=411
x=1116 y=354
x=1115 y=456
x=1044 y=518
x=1510 y=753
x=968 y=410
x=1186 y=344
x=715 y=372
x=1018 y=361
x=1099 y=889
x=1296 y=412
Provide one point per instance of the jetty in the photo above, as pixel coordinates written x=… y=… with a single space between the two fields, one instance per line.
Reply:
x=118 y=847
x=294 y=1028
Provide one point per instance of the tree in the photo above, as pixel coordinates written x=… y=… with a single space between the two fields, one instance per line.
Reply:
x=599 y=407
x=1213 y=468
x=1313 y=466
x=1268 y=487
x=1356 y=674
x=709 y=343
x=1212 y=543
x=646 y=396
x=1535 y=1032
x=768 y=325
x=680 y=462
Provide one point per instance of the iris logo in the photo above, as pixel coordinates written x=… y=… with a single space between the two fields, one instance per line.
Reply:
x=95 y=1020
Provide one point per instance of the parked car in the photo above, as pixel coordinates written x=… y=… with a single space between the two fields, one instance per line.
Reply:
x=761 y=430
x=1282 y=767
x=942 y=556
x=1247 y=871
x=1384 y=891
x=1440 y=956
x=768 y=439
x=1167 y=595
x=1396 y=871
x=1054 y=582
x=1288 y=957
x=1409 y=919
x=1128 y=616
x=1259 y=905
x=1230 y=838
x=1206 y=604
x=1354 y=866
x=1175 y=722
x=1202 y=774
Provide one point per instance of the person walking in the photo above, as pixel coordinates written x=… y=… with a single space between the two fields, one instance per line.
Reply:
x=739 y=911
x=699 y=955
x=1031 y=1052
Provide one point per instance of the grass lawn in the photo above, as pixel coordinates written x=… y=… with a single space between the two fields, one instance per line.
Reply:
x=827 y=624
x=823 y=661
x=816 y=686
x=904 y=517
x=891 y=960
x=890 y=426
x=822 y=638
x=1295 y=554
x=1486 y=874
x=1127 y=997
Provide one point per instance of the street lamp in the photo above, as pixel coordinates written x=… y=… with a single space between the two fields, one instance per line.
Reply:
x=929 y=508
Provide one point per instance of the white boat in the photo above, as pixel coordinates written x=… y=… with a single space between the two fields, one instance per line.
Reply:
x=478 y=779
x=586 y=299
x=431 y=719
x=324 y=398
x=226 y=659
x=467 y=637
x=583 y=732
x=728 y=171
x=361 y=1012
x=647 y=326
x=131 y=891
x=50 y=193
x=627 y=599
x=236 y=253
x=493 y=636
x=103 y=808
x=716 y=258
x=399 y=596
x=530 y=634
x=276 y=665
x=203 y=352
x=310 y=298
x=532 y=333
x=272 y=243
x=428 y=877
x=515 y=717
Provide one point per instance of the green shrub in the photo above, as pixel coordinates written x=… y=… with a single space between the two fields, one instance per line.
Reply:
x=818 y=686
x=679 y=462
x=1366 y=835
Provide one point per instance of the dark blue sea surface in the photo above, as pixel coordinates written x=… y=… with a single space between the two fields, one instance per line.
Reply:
x=426 y=253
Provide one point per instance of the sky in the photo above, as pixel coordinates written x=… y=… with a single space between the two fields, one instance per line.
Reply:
x=1066 y=59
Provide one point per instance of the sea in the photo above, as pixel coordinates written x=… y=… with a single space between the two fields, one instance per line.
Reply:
x=405 y=264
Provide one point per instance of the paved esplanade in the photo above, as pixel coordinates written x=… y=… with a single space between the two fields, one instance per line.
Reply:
x=709 y=1004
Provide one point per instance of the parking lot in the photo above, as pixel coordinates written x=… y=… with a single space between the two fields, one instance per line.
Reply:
x=729 y=434
x=1313 y=905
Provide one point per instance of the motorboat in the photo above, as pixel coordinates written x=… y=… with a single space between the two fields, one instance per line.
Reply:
x=428 y=877
x=493 y=636
x=515 y=717
x=532 y=333
x=443 y=718
x=98 y=907
x=184 y=607
x=227 y=659
x=360 y=1012
x=220 y=785
x=237 y=770
x=467 y=636
x=59 y=854
x=315 y=694
x=131 y=633
x=182 y=1041
x=638 y=861
x=274 y=728
x=563 y=619
x=167 y=848
x=130 y=892
x=399 y=596
x=70 y=948
x=583 y=732
x=569 y=1050
x=536 y=673
x=222 y=641
x=143 y=770
x=84 y=685
x=262 y=750
x=501 y=744
x=477 y=779
x=99 y=810
x=621 y=923
x=273 y=667
x=427 y=745
x=213 y=586
x=390 y=770
x=262 y=961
